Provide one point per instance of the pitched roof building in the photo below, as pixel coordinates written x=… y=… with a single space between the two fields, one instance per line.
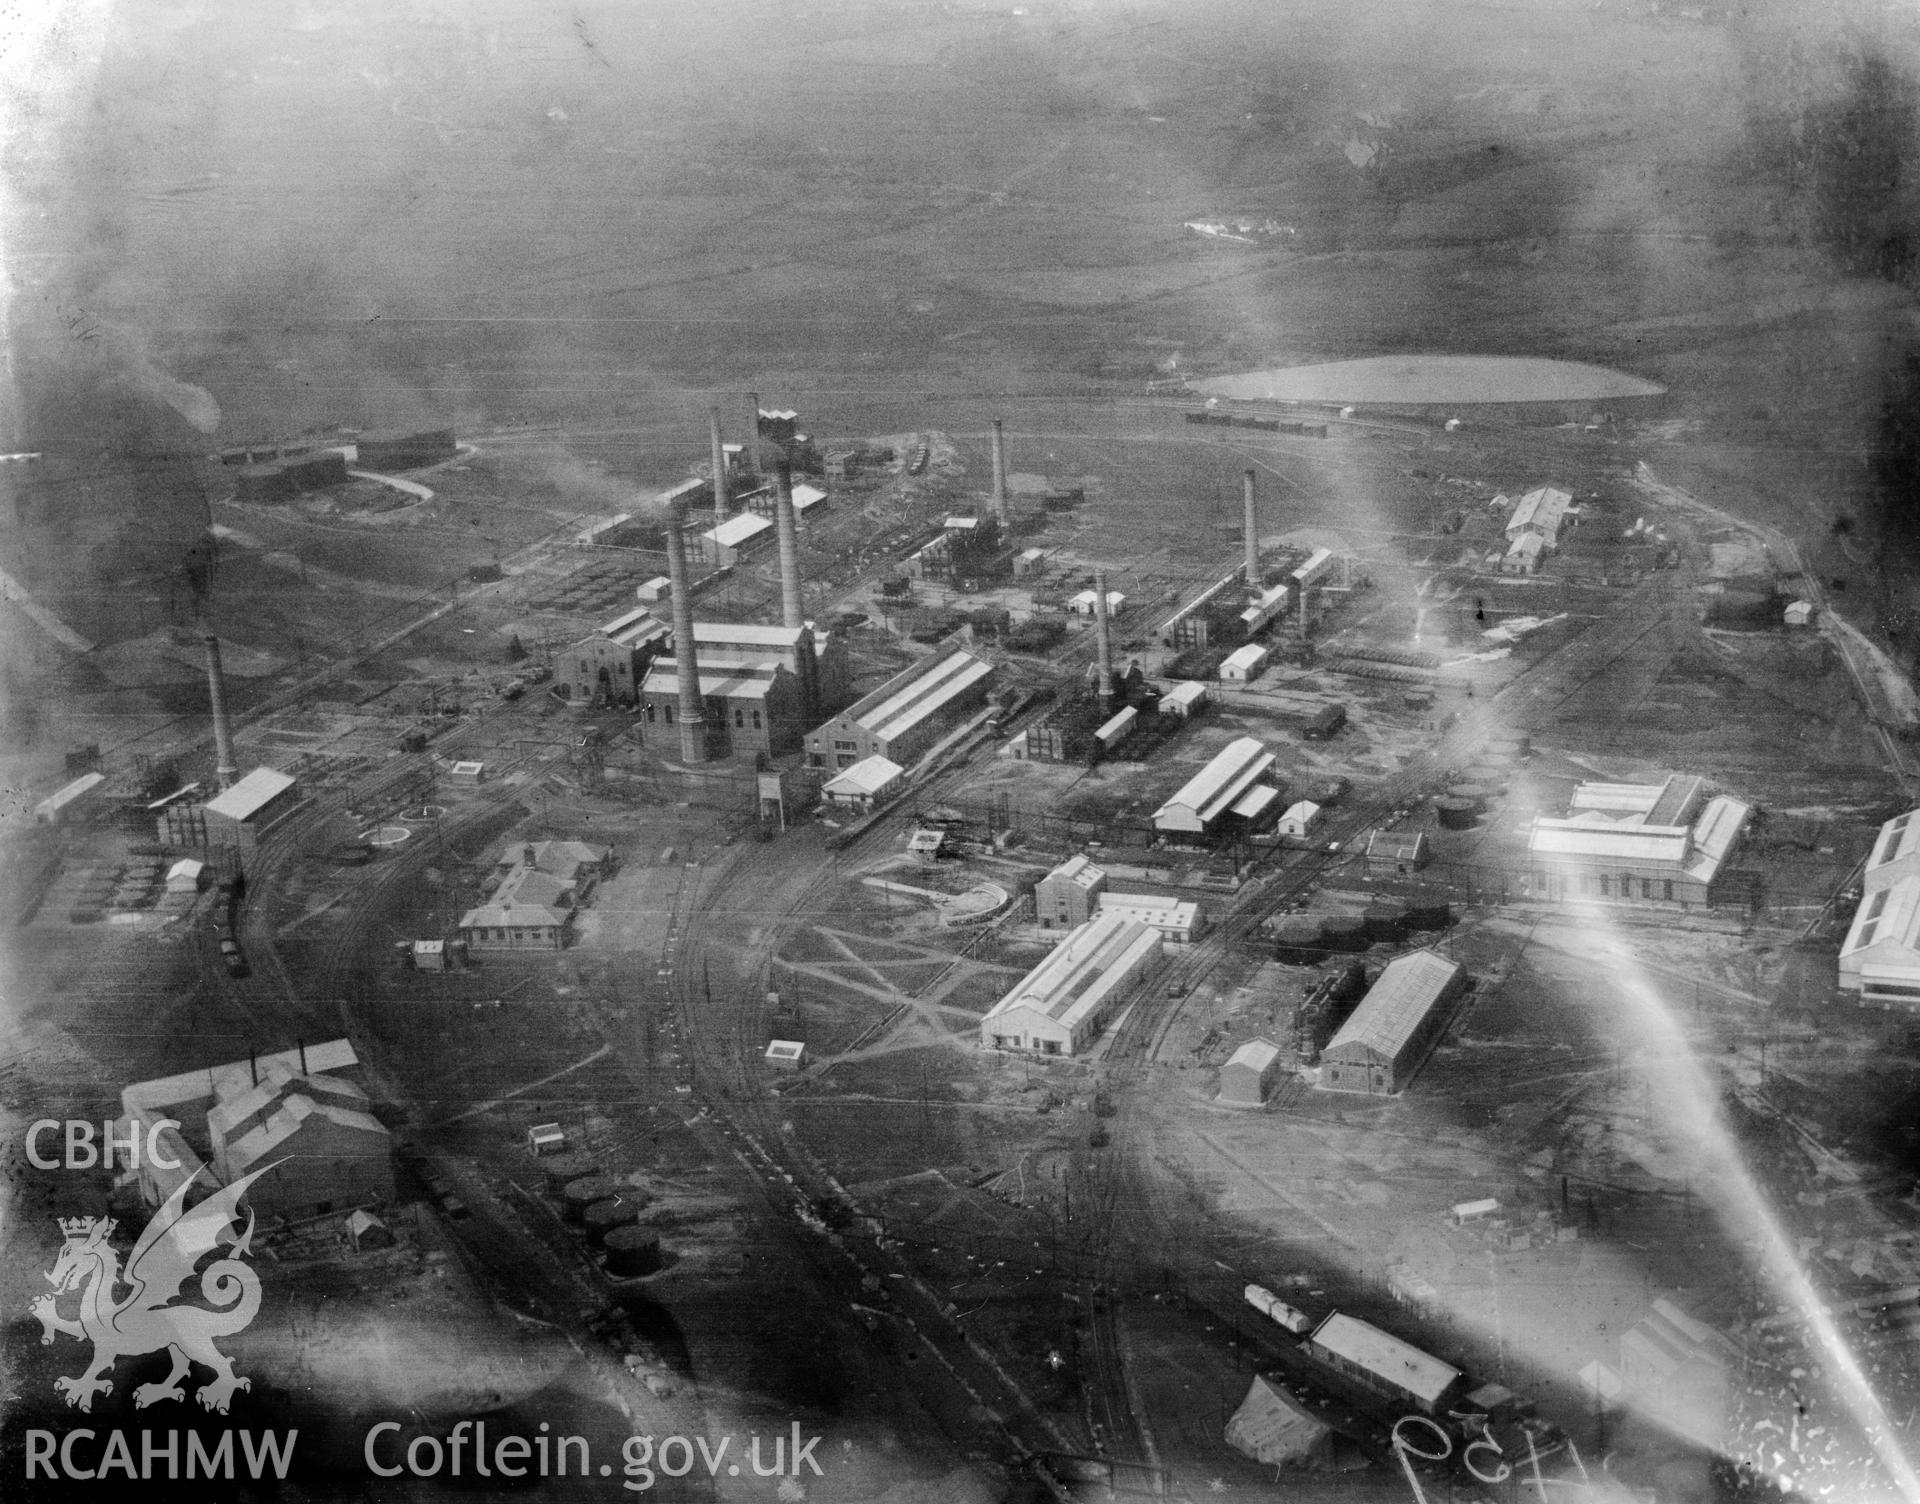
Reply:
x=1625 y=842
x=1213 y=791
x=1389 y=1036
x=1062 y=1005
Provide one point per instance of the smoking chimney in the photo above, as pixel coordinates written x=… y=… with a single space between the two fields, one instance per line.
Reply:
x=752 y=448
x=224 y=766
x=1103 y=630
x=999 y=476
x=722 y=500
x=1252 y=528
x=693 y=727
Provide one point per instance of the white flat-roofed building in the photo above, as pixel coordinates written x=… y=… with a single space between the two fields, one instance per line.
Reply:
x=237 y=816
x=864 y=784
x=738 y=536
x=1247 y=1077
x=1186 y=699
x=1068 y=896
x=1214 y=790
x=1541 y=511
x=1062 y=1005
x=1895 y=853
x=69 y=801
x=1626 y=842
x=1178 y=920
x=906 y=715
x=1243 y=664
x=1300 y=820
x=1389 y=1036
x=1382 y=1363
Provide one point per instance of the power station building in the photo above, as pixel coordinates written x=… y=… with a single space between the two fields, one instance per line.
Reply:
x=1637 y=843
x=612 y=662
x=1389 y=1036
x=1061 y=1006
x=1068 y=896
x=906 y=715
x=240 y=815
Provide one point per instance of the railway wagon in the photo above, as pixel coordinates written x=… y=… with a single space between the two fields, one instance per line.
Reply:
x=1274 y=1308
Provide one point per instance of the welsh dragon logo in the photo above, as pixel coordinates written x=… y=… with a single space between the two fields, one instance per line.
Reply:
x=144 y=1321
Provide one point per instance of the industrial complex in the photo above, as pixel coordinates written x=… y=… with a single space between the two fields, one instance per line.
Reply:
x=881 y=814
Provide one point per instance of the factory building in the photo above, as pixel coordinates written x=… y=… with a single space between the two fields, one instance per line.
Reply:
x=1895 y=854
x=1192 y=625
x=741 y=534
x=864 y=785
x=1248 y=1076
x=1197 y=809
x=579 y=863
x=805 y=499
x=720 y=644
x=749 y=707
x=240 y=815
x=1880 y=958
x=1383 y=1364
x=1639 y=843
x=1061 y=1006
x=1068 y=896
x=1389 y=1036
x=1541 y=512
x=326 y=1150
x=1244 y=664
x=70 y=803
x=611 y=664
x=1178 y=920
x=403 y=448
x=906 y=715
x=190 y=1097
x=1086 y=603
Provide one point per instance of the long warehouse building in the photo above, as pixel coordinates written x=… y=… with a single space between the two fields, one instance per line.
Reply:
x=1215 y=789
x=904 y=716
x=1060 y=1007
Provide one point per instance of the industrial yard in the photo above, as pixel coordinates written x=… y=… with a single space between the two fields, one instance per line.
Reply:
x=883 y=789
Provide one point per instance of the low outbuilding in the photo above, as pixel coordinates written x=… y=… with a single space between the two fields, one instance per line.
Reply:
x=1248 y=1076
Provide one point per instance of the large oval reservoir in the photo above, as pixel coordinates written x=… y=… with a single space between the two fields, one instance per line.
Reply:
x=1433 y=380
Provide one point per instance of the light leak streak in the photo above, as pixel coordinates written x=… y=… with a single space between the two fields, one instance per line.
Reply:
x=1690 y=1102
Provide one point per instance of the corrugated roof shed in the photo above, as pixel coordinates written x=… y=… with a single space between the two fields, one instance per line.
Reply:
x=868 y=776
x=737 y=530
x=1080 y=972
x=1215 y=787
x=1395 y=1006
x=1594 y=835
x=1256 y=1054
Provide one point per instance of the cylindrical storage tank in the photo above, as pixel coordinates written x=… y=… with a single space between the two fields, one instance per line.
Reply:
x=1343 y=932
x=1490 y=776
x=1385 y=919
x=1456 y=814
x=565 y=1166
x=1430 y=915
x=1476 y=794
x=582 y=1193
x=632 y=1252
x=1511 y=746
x=603 y=1216
x=1297 y=939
